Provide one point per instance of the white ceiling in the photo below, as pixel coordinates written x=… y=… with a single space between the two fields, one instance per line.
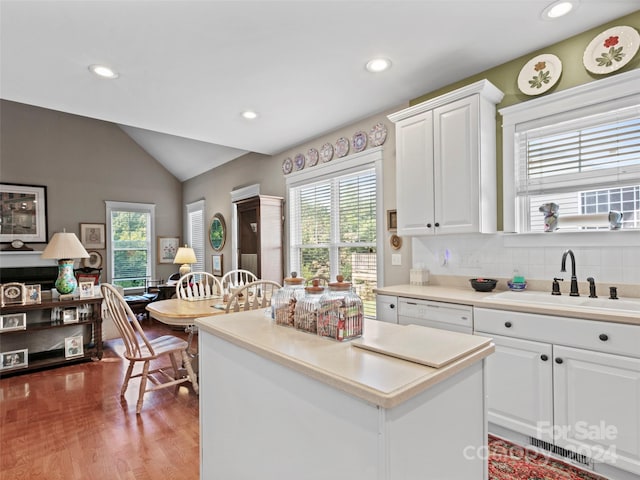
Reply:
x=189 y=68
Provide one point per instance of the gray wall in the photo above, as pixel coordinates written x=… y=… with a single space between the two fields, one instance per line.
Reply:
x=84 y=162
x=215 y=186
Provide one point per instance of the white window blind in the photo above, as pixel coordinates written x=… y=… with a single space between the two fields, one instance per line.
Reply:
x=196 y=233
x=131 y=251
x=599 y=151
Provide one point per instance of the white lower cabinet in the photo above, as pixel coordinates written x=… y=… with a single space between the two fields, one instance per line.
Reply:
x=569 y=382
x=387 y=308
x=520 y=385
x=597 y=405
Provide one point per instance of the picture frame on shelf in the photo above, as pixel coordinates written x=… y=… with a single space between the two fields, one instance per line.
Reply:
x=216 y=264
x=23 y=211
x=167 y=249
x=12 y=293
x=70 y=315
x=73 y=347
x=13 y=321
x=14 y=359
x=86 y=289
x=92 y=235
x=33 y=294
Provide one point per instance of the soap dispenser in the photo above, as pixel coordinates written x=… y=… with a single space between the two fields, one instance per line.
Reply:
x=517 y=281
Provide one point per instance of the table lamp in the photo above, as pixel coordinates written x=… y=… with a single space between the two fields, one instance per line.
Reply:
x=65 y=247
x=186 y=256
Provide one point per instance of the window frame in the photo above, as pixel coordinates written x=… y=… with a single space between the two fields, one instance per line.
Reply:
x=371 y=158
x=198 y=244
x=598 y=97
x=148 y=208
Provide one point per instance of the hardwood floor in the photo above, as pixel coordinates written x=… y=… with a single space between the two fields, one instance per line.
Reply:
x=69 y=423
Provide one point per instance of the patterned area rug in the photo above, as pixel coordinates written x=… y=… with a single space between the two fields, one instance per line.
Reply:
x=508 y=461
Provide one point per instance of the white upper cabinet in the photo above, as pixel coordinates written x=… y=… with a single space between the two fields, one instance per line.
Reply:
x=446 y=163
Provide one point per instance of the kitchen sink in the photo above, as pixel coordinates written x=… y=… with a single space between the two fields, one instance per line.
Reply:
x=545 y=298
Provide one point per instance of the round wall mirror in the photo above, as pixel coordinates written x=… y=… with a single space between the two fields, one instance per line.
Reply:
x=217 y=232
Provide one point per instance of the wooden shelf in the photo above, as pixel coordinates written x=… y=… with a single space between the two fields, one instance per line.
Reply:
x=42 y=337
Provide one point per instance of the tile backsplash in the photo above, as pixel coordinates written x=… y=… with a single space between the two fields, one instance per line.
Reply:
x=617 y=261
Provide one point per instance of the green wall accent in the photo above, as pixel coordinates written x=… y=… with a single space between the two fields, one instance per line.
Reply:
x=505 y=77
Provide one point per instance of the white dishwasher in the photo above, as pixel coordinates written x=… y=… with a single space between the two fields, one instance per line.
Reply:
x=446 y=316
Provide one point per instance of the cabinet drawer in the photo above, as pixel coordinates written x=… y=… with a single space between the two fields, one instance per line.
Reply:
x=609 y=337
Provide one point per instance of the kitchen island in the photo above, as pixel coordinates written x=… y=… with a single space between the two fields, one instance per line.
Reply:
x=279 y=403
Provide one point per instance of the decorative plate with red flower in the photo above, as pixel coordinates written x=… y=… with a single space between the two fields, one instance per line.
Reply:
x=611 y=50
x=539 y=74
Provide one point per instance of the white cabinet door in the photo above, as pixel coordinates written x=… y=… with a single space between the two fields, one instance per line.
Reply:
x=456 y=167
x=597 y=405
x=414 y=175
x=519 y=386
x=387 y=308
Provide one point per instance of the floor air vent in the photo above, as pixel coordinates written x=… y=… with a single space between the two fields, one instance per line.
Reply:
x=563 y=452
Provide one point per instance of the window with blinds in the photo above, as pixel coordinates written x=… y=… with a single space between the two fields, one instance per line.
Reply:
x=196 y=233
x=131 y=249
x=333 y=227
x=586 y=165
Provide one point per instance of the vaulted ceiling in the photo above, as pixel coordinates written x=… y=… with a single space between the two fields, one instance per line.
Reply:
x=187 y=69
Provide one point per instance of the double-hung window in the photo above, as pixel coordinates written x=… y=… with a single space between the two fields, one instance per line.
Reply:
x=195 y=233
x=579 y=149
x=130 y=247
x=334 y=224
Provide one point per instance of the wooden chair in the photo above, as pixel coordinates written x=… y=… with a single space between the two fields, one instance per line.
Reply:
x=236 y=278
x=195 y=286
x=253 y=296
x=198 y=286
x=138 y=348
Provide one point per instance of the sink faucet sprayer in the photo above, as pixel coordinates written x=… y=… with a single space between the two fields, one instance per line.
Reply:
x=574 y=280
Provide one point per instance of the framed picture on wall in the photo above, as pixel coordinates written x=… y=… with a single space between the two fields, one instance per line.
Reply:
x=23 y=213
x=92 y=235
x=167 y=249
x=392 y=220
x=216 y=264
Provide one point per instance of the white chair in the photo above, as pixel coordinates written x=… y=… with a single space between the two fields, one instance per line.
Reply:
x=198 y=286
x=195 y=286
x=237 y=278
x=138 y=348
x=253 y=296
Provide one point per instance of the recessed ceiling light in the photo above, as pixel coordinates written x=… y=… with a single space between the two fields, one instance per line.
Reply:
x=103 y=71
x=378 y=65
x=249 y=115
x=558 y=9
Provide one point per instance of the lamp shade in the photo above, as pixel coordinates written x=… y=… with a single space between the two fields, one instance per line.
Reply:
x=64 y=245
x=185 y=255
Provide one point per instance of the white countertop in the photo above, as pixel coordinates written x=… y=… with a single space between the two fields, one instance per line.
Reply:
x=468 y=296
x=377 y=378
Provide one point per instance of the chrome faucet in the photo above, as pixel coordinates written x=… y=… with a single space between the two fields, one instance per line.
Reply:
x=574 y=280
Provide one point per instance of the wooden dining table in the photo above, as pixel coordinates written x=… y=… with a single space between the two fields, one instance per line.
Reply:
x=182 y=313
x=177 y=312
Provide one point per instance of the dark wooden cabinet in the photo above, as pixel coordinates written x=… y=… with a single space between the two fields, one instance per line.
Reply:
x=48 y=334
x=260 y=236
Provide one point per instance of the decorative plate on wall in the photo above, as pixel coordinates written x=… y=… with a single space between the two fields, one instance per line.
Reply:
x=217 y=232
x=359 y=141
x=611 y=50
x=313 y=156
x=287 y=165
x=342 y=147
x=326 y=152
x=299 y=161
x=395 y=241
x=378 y=134
x=93 y=261
x=539 y=74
